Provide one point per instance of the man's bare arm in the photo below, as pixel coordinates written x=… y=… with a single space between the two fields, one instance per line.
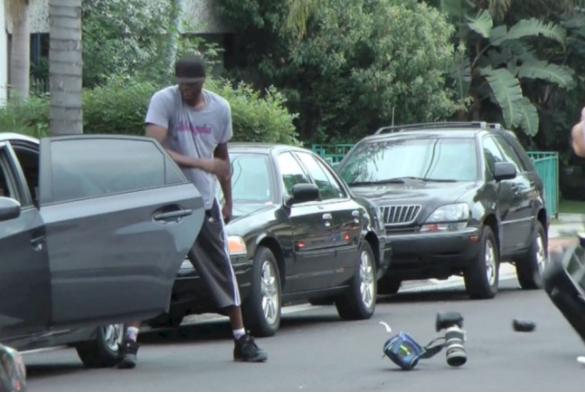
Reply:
x=578 y=139
x=221 y=152
x=160 y=134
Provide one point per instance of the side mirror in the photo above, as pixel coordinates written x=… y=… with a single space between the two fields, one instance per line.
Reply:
x=12 y=370
x=503 y=171
x=304 y=192
x=9 y=209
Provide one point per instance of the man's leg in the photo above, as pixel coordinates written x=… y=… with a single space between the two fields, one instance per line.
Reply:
x=129 y=347
x=210 y=258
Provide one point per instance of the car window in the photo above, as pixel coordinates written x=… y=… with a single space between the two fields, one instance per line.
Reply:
x=327 y=184
x=292 y=172
x=492 y=153
x=251 y=179
x=85 y=168
x=6 y=180
x=421 y=157
x=510 y=154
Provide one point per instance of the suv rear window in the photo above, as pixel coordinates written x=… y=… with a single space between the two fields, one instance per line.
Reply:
x=452 y=159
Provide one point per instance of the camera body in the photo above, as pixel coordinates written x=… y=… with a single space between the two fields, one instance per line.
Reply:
x=452 y=323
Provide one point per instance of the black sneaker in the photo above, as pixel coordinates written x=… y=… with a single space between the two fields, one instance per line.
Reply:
x=246 y=350
x=128 y=351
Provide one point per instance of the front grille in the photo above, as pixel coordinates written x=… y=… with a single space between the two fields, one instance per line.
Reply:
x=400 y=215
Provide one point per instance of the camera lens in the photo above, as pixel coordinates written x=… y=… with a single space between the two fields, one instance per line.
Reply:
x=455 y=339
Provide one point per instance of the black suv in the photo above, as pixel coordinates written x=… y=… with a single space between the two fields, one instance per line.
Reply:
x=457 y=199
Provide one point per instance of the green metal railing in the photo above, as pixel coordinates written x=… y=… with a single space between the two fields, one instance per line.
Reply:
x=546 y=164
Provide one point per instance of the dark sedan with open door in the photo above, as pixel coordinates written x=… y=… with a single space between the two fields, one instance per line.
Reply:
x=93 y=230
x=298 y=234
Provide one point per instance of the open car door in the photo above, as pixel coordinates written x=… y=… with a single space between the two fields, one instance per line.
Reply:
x=120 y=217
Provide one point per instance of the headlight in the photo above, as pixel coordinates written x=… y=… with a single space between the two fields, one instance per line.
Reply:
x=236 y=246
x=447 y=218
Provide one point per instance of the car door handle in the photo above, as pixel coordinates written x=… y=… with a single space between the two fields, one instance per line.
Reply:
x=173 y=216
x=37 y=243
x=327 y=216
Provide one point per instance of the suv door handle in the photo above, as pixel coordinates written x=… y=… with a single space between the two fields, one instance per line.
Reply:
x=327 y=216
x=172 y=216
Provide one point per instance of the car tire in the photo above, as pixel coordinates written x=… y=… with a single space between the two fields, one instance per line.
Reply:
x=359 y=301
x=482 y=275
x=262 y=308
x=389 y=285
x=104 y=350
x=530 y=268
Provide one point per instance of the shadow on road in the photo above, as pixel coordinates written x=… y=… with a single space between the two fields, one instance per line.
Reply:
x=207 y=331
x=436 y=295
x=52 y=370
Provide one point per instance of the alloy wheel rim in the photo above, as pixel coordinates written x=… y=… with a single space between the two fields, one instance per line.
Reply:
x=540 y=254
x=113 y=336
x=270 y=293
x=367 y=285
x=490 y=262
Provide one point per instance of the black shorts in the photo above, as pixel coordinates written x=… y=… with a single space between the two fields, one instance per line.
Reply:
x=210 y=257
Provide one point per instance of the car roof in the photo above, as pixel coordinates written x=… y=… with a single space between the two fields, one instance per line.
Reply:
x=263 y=147
x=438 y=130
x=5 y=136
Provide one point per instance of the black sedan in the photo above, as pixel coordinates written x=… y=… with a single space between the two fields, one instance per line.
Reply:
x=298 y=234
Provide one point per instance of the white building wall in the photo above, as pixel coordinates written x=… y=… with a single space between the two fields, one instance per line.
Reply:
x=3 y=57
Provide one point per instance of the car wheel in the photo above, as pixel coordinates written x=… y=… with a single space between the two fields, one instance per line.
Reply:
x=482 y=276
x=103 y=351
x=261 y=310
x=359 y=301
x=529 y=269
x=389 y=285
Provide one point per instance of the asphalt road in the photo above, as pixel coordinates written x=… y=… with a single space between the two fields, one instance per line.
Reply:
x=315 y=351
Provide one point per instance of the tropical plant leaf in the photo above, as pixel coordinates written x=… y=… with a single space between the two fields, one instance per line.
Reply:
x=532 y=27
x=456 y=9
x=507 y=92
x=520 y=48
x=482 y=24
x=529 y=122
x=461 y=76
x=540 y=69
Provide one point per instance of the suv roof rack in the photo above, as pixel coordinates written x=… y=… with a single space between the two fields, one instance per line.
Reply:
x=438 y=125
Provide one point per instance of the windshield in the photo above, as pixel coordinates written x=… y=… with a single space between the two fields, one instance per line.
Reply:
x=251 y=180
x=430 y=159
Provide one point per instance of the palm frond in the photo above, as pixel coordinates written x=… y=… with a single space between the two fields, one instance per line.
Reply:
x=530 y=121
x=507 y=93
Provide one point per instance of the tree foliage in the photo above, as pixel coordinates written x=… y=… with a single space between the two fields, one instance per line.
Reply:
x=353 y=70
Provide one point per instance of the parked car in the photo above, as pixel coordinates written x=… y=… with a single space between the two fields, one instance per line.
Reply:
x=93 y=231
x=457 y=199
x=298 y=234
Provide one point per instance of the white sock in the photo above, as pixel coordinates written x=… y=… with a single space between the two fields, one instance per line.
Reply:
x=132 y=333
x=239 y=333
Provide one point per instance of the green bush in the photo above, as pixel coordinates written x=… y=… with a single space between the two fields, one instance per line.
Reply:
x=256 y=118
x=117 y=108
x=121 y=105
x=30 y=117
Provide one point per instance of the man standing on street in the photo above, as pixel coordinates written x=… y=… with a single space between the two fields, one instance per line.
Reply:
x=195 y=126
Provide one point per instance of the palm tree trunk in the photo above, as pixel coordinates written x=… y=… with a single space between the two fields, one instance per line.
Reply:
x=20 y=52
x=65 y=67
x=176 y=13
